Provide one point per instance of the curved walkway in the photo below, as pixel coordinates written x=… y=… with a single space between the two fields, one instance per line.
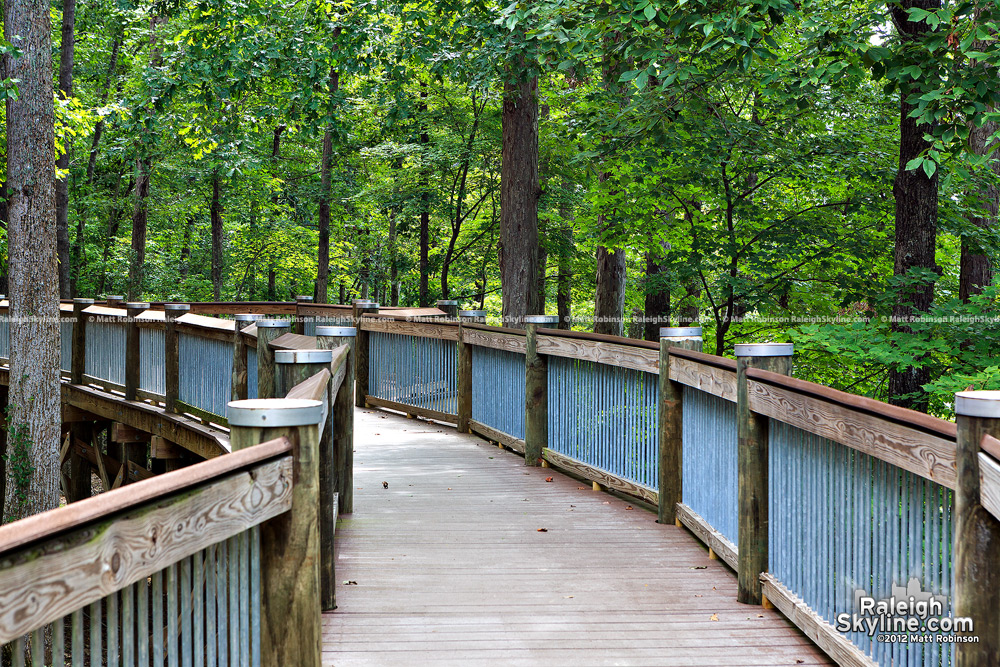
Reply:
x=448 y=566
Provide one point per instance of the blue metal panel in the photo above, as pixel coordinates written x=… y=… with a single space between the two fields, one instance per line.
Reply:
x=152 y=370
x=605 y=416
x=710 y=480
x=498 y=390
x=843 y=521
x=206 y=373
x=422 y=372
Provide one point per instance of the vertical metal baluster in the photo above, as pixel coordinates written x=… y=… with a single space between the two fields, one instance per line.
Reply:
x=173 y=650
x=185 y=623
x=244 y=598
x=234 y=602
x=59 y=642
x=128 y=626
x=38 y=647
x=222 y=601
x=198 y=609
x=142 y=622
x=114 y=648
x=19 y=652
x=157 y=595
x=255 y=601
x=210 y=618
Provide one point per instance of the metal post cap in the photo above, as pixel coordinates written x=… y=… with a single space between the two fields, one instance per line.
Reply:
x=360 y=302
x=764 y=349
x=303 y=297
x=136 y=304
x=343 y=332
x=680 y=332
x=472 y=313
x=274 y=412
x=85 y=302
x=247 y=317
x=176 y=306
x=447 y=302
x=541 y=319
x=368 y=305
x=273 y=324
x=303 y=356
x=978 y=404
x=110 y=297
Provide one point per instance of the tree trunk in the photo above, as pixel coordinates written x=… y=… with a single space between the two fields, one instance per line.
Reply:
x=425 y=203
x=657 y=298
x=103 y=96
x=519 y=194
x=184 y=267
x=136 y=272
x=976 y=270
x=272 y=287
x=916 y=224
x=609 y=297
x=62 y=185
x=35 y=419
x=216 y=213
x=323 y=251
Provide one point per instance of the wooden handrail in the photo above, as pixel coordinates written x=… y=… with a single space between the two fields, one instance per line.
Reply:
x=40 y=527
x=600 y=338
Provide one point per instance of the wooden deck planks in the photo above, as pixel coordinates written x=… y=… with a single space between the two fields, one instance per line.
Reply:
x=451 y=569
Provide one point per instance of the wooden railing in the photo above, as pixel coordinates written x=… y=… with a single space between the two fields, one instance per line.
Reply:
x=228 y=560
x=810 y=494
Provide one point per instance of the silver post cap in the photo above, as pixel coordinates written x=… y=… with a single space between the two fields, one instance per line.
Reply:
x=447 y=302
x=176 y=306
x=343 y=332
x=361 y=302
x=136 y=304
x=273 y=324
x=247 y=317
x=84 y=302
x=112 y=297
x=978 y=404
x=764 y=349
x=303 y=297
x=303 y=356
x=274 y=412
x=472 y=313
x=680 y=332
x=541 y=319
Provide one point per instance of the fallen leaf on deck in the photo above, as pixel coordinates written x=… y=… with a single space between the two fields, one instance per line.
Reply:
x=760 y=615
x=548 y=479
x=715 y=617
x=606 y=502
x=449 y=488
x=385 y=485
x=580 y=488
x=799 y=662
x=629 y=507
x=700 y=567
x=567 y=596
x=543 y=530
x=350 y=583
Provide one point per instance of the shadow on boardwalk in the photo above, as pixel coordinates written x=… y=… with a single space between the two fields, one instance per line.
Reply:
x=451 y=569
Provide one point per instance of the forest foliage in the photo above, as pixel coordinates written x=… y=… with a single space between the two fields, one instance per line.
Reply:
x=742 y=155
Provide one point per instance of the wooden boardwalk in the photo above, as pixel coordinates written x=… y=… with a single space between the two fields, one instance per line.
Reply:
x=448 y=566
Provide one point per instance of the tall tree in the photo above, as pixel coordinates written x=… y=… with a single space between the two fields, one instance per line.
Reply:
x=916 y=196
x=215 y=212
x=66 y=51
x=519 y=194
x=425 y=202
x=657 y=296
x=34 y=419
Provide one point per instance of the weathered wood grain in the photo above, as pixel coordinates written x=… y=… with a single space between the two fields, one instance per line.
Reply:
x=312 y=388
x=924 y=454
x=536 y=398
x=494 y=435
x=135 y=473
x=204 y=416
x=709 y=379
x=265 y=360
x=427 y=413
x=795 y=609
x=600 y=338
x=47 y=582
x=670 y=438
x=989 y=481
x=464 y=399
x=611 y=354
x=293 y=341
x=991 y=446
x=563 y=462
x=440 y=331
x=709 y=536
x=496 y=340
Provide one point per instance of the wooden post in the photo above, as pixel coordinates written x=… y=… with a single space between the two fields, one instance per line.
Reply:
x=341 y=467
x=133 y=358
x=239 y=387
x=362 y=307
x=670 y=420
x=536 y=392
x=79 y=468
x=294 y=366
x=113 y=301
x=171 y=353
x=449 y=306
x=752 y=459
x=289 y=543
x=977 y=533
x=300 y=323
x=267 y=330
x=465 y=369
